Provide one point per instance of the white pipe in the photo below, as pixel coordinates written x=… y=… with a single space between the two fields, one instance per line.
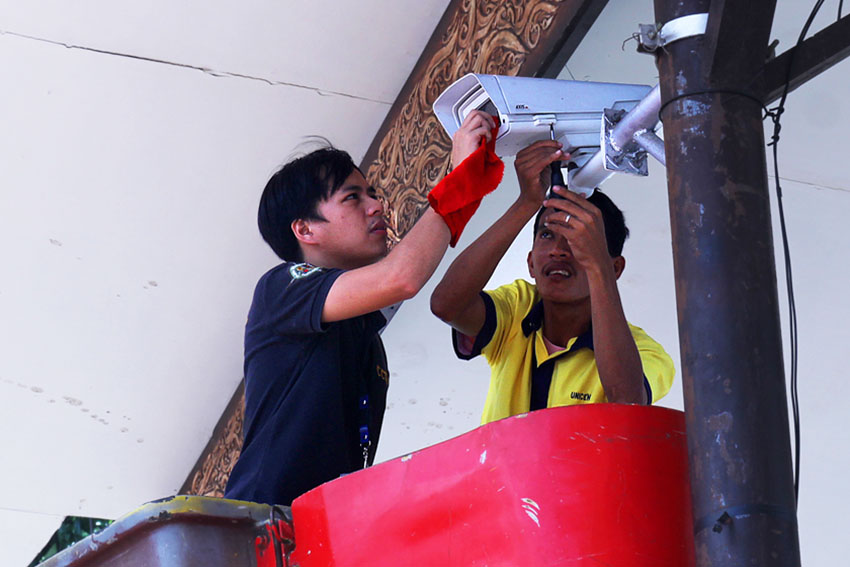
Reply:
x=644 y=116
x=653 y=145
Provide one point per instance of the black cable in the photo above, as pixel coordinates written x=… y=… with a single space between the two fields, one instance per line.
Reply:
x=840 y=7
x=775 y=114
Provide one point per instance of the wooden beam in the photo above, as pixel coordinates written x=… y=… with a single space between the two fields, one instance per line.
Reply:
x=571 y=25
x=814 y=56
x=724 y=40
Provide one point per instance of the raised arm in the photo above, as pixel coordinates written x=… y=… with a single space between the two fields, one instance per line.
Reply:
x=403 y=272
x=456 y=299
x=617 y=357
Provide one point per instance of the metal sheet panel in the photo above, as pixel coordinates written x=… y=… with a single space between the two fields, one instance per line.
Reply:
x=552 y=487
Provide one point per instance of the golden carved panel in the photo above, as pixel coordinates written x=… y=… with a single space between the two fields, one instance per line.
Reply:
x=483 y=36
x=213 y=469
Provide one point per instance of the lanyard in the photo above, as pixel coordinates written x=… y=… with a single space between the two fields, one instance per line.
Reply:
x=365 y=438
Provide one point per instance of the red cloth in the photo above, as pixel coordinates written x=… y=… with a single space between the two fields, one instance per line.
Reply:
x=458 y=195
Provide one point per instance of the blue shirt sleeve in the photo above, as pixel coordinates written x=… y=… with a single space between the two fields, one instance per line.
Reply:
x=289 y=299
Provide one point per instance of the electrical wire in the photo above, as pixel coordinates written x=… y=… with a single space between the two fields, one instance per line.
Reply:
x=775 y=114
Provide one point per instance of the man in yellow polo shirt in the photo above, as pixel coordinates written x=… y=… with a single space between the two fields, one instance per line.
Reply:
x=563 y=340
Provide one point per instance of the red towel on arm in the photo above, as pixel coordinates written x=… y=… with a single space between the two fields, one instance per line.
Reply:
x=458 y=195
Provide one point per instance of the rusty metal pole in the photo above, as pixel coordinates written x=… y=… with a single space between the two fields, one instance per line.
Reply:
x=730 y=339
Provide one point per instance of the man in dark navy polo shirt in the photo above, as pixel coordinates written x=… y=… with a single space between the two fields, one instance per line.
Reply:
x=316 y=376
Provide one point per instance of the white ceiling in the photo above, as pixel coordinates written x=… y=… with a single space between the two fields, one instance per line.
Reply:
x=128 y=190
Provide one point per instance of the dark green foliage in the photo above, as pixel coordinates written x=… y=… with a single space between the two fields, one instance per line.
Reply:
x=72 y=530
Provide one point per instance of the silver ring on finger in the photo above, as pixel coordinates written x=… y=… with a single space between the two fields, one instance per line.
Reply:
x=567 y=218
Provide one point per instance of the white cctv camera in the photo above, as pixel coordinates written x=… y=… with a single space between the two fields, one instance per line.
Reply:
x=579 y=114
x=528 y=108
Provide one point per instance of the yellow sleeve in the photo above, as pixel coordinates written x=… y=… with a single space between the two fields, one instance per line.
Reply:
x=658 y=366
x=511 y=303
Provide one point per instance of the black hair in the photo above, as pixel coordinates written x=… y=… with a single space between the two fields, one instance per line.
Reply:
x=295 y=191
x=616 y=231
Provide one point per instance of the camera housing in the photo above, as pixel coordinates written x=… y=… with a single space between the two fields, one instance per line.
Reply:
x=531 y=109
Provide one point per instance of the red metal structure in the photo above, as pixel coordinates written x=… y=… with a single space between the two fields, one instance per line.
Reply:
x=184 y=531
x=596 y=484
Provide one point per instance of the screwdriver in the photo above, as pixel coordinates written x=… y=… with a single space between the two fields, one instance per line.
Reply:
x=556 y=178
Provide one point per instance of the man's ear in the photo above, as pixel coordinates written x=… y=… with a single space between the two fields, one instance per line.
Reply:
x=303 y=231
x=530 y=265
x=619 y=266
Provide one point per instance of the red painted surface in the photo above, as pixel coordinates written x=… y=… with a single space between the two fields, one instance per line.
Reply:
x=601 y=484
x=272 y=549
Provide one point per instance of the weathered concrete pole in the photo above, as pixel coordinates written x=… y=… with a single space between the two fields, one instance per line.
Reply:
x=730 y=339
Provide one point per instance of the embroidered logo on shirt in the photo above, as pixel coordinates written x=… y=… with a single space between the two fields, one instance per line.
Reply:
x=383 y=374
x=303 y=270
x=580 y=396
